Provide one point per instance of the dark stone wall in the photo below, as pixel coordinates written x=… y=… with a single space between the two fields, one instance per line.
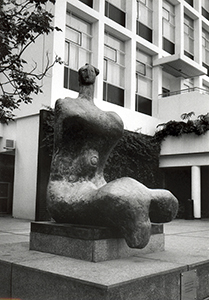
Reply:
x=44 y=162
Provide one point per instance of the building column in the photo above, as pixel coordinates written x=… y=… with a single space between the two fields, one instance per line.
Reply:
x=179 y=29
x=98 y=30
x=196 y=190
x=156 y=89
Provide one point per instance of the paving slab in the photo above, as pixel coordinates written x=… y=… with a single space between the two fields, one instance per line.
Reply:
x=8 y=224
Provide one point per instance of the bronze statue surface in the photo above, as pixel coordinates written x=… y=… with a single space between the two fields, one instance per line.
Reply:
x=77 y=191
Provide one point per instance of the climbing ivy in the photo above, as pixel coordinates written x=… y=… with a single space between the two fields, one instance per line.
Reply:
x=137 y=156
x=177 y=128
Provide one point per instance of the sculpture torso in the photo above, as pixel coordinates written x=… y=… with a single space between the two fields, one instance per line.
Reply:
x=84 y=137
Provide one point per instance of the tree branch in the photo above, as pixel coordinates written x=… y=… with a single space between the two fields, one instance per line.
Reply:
x=22 y=23
x=28 y=44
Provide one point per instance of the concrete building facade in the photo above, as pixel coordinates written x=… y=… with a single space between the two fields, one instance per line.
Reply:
x=153 y=58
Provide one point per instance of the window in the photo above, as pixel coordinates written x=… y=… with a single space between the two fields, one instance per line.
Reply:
x=144 y=12
x=168 y=27
x=144 y=19
x=189 y=84
x=205 y=9
x=77 y=49
x=143 y=82
x=188 y=37
x=110 y=53
x=140 y=68
x=205 y=86
x=88 y=2
x=190 y=2
x=205 y=48
x=165 y=92
x=115 y=10
x=114 y=69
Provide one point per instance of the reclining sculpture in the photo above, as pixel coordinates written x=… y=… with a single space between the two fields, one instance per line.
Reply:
x=77 y=191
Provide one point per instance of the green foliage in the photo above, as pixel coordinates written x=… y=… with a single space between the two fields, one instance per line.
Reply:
x=187 y=116
x=22 y=22
x=174 y=128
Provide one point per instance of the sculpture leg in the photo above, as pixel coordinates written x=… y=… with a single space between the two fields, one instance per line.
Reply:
x=130 y=206
x=163 y=206
x=125 y=205
x=122 y=204
x=71 y=202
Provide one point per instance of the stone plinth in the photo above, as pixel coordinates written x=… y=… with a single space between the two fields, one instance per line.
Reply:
x=88 y=243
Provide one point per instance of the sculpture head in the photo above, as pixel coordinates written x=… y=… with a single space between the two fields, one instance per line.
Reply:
x=87 y=74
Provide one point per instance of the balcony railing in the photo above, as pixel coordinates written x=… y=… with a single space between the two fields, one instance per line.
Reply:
x=184 y=91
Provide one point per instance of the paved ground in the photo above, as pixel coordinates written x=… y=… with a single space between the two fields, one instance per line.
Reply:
x=186 y=248
x=187 y=240
x=189 y=237
x=14 y=230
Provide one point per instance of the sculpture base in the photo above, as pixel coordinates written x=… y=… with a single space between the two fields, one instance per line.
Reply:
x=88 y=243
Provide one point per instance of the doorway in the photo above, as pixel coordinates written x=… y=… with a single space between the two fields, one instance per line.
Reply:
x=6 y=182
x=205 y=192
x=178 y=182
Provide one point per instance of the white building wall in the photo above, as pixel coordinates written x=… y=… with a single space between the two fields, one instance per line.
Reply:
x=7 y=132
x=132 y=120
x=184 y=160
x=185 y=151
x=171 y=108
x=186 y=144
x=25 y=177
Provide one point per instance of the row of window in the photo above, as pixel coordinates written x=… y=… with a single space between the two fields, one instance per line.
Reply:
x=119 y=6
x=144 y=26
x=168 y=29
x=78 y=51
x=115 y=10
